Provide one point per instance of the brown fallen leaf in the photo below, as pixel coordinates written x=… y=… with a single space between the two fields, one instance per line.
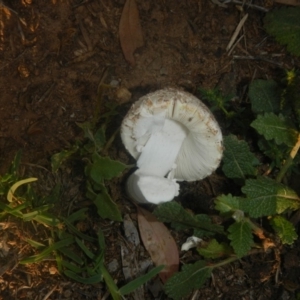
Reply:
x=159 y=243
x=130 y=31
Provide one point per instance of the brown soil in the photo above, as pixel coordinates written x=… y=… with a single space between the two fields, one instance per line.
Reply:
x=52 y=57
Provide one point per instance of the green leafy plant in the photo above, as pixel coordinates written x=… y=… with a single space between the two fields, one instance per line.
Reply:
x=284 y=25
x=79 y=256
x=259 y=197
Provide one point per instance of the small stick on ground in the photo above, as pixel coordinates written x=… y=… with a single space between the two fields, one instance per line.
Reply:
x=238 y=57
x=243 y=4
x=236 y=32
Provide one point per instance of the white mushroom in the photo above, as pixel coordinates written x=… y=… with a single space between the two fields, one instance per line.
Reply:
x=174 y=137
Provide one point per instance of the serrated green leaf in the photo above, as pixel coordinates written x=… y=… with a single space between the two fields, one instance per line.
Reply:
x=264 y=96
x=277 y=153
x=238 y=161
x=191 y=277
x=241 y=237
x=275 y=127
x=266 y=197
x=180 y=219
x=284 y=229
x=284 y=25
x=136 y=283
x=58 y=158
x=104 y=168
x=214 y=250
x=106 y=207
x=204 y=219
x=227 y=203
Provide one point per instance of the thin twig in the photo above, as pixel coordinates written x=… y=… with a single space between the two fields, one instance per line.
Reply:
x=50 y=293
x=242 y=3
x=2 y=4
x=257 y=58
x=233 y=47
x=289 y=161
x=110 y=141
x=47 y=93
x=236 y=32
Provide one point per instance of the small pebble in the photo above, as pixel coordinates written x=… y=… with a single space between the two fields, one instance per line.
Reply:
x=113 y=266
x=123 y=95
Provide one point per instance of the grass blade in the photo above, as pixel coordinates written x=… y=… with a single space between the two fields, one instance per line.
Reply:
x=47 y=251
x=136 y=283
x=83 y=247
x=90 y=280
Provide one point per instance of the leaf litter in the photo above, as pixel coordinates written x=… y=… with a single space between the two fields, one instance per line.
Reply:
x=159 y=242
x=130 y=31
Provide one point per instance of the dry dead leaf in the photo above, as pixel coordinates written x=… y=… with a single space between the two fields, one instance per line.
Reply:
x=159 y=243
x=130 y=31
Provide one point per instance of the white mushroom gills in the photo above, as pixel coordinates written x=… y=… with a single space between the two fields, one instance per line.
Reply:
x=174 y=137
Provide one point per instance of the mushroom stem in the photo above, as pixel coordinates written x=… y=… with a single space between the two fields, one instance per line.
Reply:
x=160 y=152
x=157 y=159
x=144 y=188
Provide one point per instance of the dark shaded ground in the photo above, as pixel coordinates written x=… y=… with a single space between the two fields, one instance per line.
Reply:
x=52 y=57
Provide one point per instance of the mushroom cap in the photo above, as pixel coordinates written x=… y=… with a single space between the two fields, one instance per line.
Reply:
x=201 y=150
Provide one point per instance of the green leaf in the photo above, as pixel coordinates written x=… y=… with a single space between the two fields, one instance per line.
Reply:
x=110 y=284
x=85 y=280
x=275 y=127
x=136 y=283
x=10 y=194
x=199 y=231
x=284 y=229
x=238 y=161
x=284 y=25
x=106 y=207
x=191 y=277
x=214 y=250
x=45 y=253
x=99 y=138
x=74 y=230
x=16 y=211
x=87 y=129
x=71 y=267
x=266 y=197
x=241 y=237
x=77 y=215
x=34 y=244
x=104 y=168
x=227 y=203
x=84 y=248
x=277 y=153
x=47 y=219
x=264 y=96
x=181 y=219
x=58 y=158
x=70 y=254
